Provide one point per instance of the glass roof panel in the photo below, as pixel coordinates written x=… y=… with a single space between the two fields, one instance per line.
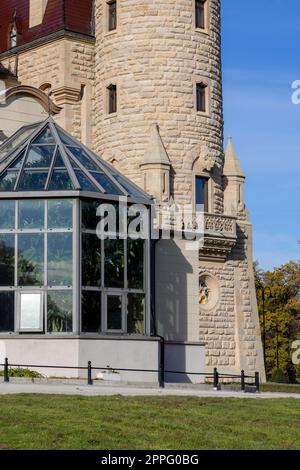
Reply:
x=40 y=156
x=60 y=181
x=33 y=180
x=17 y=163
x=105 y=183
x=17 y=139
x=49 y=151
x=8 y=181
x=84 y=159
x=65 y=138
x=84 y=182
x=59 y=163
x=45 y=137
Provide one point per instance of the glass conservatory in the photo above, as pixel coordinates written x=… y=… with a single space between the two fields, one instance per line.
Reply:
x=58 y=276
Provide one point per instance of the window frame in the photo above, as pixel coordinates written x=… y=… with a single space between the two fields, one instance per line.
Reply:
x=109 y=4
x=205 y=28
x=204 y=87
x=111 y=111
x=207 y=180
x=44 y=288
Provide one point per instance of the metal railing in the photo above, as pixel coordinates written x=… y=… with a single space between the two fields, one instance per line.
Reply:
x=215 y=376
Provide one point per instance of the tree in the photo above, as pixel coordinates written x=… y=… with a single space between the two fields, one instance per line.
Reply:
x=282 y=314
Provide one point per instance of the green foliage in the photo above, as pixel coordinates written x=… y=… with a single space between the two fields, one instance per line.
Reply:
x=23 y=373
x=282 y=316
x=279 y=377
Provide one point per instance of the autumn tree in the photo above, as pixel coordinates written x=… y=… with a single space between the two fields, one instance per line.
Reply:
x=282 y=316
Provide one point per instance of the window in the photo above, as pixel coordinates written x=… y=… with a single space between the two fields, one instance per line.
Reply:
x=31 y=311
x=201 y=97
x=200 y=13
x=201 y=191
x=13 y=35
x=114 y=314
x=112 y=15
x=112 y=99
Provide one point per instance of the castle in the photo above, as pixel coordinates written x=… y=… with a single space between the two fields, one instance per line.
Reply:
x=140 y=84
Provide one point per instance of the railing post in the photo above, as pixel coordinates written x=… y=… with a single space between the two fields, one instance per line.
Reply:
x=243 y=380
x=257 y=381
x=6 y=376
x=162 y=364
x=216 y=379
x=90 y=380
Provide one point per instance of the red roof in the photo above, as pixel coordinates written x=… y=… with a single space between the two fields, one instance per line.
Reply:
x=71 y=15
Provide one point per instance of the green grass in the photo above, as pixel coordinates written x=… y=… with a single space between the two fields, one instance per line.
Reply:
x=164 y=423
x=273 y=387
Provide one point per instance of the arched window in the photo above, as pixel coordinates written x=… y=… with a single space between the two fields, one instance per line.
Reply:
x=13 y=36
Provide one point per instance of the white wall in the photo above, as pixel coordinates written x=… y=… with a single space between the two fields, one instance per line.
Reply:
x=185 y=357
x=123 y=353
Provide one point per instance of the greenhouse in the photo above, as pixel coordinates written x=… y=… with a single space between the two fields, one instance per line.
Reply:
x=58 y=277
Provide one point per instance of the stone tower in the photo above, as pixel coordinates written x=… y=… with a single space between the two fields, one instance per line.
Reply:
x=140 y=82
x=156 y=56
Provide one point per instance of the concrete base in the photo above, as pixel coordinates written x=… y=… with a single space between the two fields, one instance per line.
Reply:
x=67 y=355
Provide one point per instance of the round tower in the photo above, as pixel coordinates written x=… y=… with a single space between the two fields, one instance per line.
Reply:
x=158 y=66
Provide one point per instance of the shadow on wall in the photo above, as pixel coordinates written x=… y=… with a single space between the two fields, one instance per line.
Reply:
x=171 y=292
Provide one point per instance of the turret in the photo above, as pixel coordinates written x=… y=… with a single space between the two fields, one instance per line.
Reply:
x=234 y=180
x=156 y=167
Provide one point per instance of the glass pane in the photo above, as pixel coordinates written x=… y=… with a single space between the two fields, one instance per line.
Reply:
x=31 y=214
x=60 y=213
x=7 y=259
x=31 y=259
x=7 y=215
x=114 y=312
x=89 y=214
x=17 y=139
x=59 y=163
x=65 y=138
x=16 y=164
x=45 y=137
x=136 y=314
x=31 y=310
x=105 y=183
x=132 y=191
x=84 y=182
x=40 y=157
x=60 y=259
x=33 y=181
x=7 y=312
x=60 y=308
x=201 y=191
x=114 y=263
x=91 y=260
x=83 y=158
x=8 y=181
x=91 y=312
x=135 y=262
x=60 y=181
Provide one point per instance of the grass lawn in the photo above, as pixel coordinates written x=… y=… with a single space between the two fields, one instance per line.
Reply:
x=164 y=423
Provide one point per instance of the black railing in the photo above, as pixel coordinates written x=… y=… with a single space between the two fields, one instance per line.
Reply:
x=215 y=376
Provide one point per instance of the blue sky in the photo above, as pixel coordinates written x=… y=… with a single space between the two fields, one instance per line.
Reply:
x=261 y=50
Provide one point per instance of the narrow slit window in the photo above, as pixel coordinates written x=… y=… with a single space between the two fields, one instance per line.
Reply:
x=112 y=15
x=200 y=13
x=201 y=97
x=112 y=99
x=201 y=194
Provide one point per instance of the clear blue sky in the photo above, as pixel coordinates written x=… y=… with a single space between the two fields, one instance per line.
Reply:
x=261 y=59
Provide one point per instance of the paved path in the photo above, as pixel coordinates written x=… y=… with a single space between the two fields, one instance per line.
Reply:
x=85 y=390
